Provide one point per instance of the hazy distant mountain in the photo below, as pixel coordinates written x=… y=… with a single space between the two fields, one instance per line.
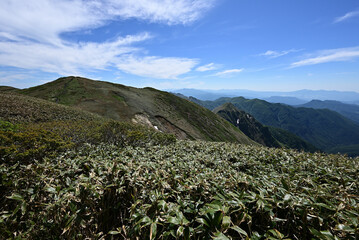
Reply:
x=323 y=128
x=285 y=100
x=350 y=111
x=304 y=95
x=147 y=106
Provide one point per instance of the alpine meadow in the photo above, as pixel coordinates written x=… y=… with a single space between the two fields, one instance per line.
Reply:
x=179 y=119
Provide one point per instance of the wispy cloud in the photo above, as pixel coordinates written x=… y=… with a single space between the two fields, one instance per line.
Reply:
x=31 y=38
x=207 y=67
x=346 y=16
x=229 y=72
x=67 y=58
x=275 y=54
x=332 y=55
x=156 y=67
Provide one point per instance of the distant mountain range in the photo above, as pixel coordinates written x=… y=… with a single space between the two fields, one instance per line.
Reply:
x=325 y=129
x=290 y=98
x=350 y=111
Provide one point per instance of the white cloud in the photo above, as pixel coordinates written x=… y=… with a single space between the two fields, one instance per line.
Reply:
x=275 y=54
x=167 y=11
x=30 y=34
x=229 y=72
x=332 y=55
x=346 y=16
x=44 y=20
x=156 y=67
x=207 y=67
x=8 y=77
x=66 y=59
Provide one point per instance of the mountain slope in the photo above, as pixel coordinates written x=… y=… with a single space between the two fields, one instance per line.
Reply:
x=148 y=106
x=290 y=140
x=267 y=136
x=247 y=124
x=18 y=108
x=323 y=128
x=350 y=111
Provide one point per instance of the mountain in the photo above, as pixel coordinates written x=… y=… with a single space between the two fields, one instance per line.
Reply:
x=247 y=124
x=350 y=111
x=304 y=95
x=18 y=108
x=203 y=94
x=290 y=140
x=147 y=106
x=323 y=128
x=285 y=100
x=8 y=89
x=267 y=136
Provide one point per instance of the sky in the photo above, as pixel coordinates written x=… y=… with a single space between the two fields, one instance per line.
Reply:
x=262 y=45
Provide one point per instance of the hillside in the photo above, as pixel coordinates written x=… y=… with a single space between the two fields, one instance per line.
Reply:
x=70 y=174
x=18 y=108
x=267 y=136
x=290 y=140
x=350 y=111
x=247 y=124
x=323 y=128
x=147 y=106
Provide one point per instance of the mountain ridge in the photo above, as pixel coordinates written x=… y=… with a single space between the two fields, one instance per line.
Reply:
x=323 y=128
x=147 y=106
x=350 y=111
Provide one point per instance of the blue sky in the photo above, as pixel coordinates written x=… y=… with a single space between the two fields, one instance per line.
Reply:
x=265 y=45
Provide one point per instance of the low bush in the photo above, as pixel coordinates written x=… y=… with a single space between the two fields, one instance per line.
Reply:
x=30 y=141
x=187 y=190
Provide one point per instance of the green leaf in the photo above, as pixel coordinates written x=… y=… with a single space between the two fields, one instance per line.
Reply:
x=16 y=196
x=239 y=230
x=202 y=221
x=276 y=233
x=220 y=236
x=180 y=231
x=153 y=230
x=226 y=221
x=174 y=220
x=114 y=232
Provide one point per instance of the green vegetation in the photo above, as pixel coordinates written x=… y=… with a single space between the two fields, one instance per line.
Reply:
x=31 y=129
x=69 y=174
x=290 y=140
x=322 y=128
x=350 y=150
x=247 y=124
x=350 y=111
x=19 y=109
x=146 y=106
x=190 y=190
x=205 y=122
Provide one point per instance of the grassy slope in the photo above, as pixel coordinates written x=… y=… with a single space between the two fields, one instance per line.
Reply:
x=146 y=106
x=18 y=108
x=323 y=128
